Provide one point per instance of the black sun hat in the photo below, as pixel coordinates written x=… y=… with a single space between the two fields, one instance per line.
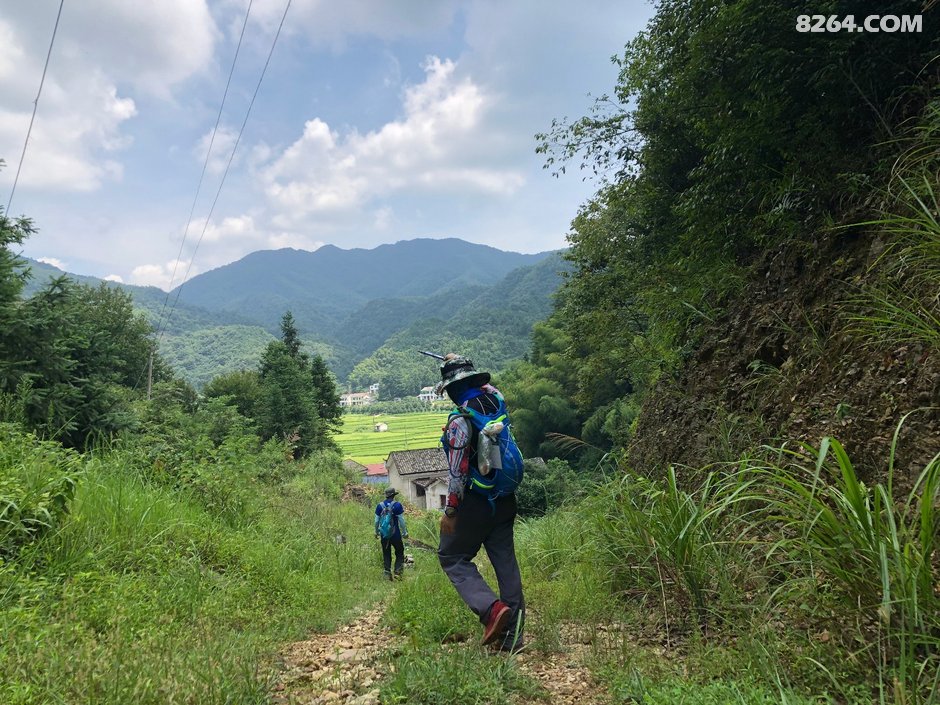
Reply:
x=455 y=368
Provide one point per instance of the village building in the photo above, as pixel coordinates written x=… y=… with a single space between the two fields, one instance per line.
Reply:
x=370 y=473
x=428 y=395
x=354 y=466
x=352 y=399
x=420 y=476
x=375 y=473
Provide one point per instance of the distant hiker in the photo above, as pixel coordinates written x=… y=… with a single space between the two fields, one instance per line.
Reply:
x=390 y=527
x=485 y=468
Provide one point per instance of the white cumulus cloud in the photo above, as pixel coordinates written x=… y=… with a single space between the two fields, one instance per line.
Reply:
x=222 y=145
x=235 y=228
x=105 y=52
x=57 y=263
x=441 y=144
x=163 y=276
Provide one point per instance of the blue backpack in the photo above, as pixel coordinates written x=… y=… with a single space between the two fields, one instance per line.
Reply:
x=387 y=521
x=498 y=470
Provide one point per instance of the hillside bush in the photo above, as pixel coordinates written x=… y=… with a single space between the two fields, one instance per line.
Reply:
x=903 y=305
x=37 y=483
x=549 y=486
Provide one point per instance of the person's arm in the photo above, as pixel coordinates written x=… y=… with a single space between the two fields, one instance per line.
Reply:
x=400 y=513
x=377 y=512
x=458 y=438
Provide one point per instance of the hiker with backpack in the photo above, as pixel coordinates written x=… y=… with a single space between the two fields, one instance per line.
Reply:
x=390 y=527
x=485 y=468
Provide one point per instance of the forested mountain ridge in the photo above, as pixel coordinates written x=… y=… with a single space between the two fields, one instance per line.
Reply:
x=459 y=290
x=329 y=283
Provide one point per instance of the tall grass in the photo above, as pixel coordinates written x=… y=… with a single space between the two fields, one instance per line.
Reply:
x=151 y=593
x=668 y=542
x=874 y=549
x=905 y=305
x=774 y=551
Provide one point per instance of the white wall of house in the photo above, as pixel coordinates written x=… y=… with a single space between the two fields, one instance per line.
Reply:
x=405 y=487
x=419 y=464
x=436 y=495
x=428 y=395
x=355 y=399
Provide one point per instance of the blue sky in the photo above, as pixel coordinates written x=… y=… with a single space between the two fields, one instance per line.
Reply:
x=377 y=121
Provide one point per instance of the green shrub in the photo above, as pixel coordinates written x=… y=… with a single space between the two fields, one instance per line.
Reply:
x=37 y=482
x=548 y=486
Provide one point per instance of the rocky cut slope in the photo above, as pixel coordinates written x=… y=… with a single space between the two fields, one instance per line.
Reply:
x=790 y=361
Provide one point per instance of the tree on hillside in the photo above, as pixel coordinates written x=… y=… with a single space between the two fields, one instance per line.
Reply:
x=69 y=352
x=80 y=349
x=314 y=410
x=291 y=338
x=327 y=398
x=728 y=133
x=288 y=406
x=12 y=279
x=242 y=387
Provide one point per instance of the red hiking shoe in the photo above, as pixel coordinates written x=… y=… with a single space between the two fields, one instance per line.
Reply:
x=496 y=622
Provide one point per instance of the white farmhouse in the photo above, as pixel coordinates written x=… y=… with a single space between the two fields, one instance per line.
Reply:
x=428 y=395
x=420 y=476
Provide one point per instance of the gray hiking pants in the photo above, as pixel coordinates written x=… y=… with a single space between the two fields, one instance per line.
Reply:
x=478 y=526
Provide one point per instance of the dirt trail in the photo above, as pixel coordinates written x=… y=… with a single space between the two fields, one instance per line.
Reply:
x=343 y=668
x=563 y=674
x=335 y=668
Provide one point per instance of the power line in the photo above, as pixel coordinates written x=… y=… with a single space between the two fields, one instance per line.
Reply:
x=35 y=106
x=228 y=165
x=230 y=159
x=205 y=166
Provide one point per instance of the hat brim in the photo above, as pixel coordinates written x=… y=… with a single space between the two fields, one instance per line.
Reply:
x=477 y=379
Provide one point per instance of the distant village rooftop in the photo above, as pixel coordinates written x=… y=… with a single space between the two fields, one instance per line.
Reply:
x=423 y=461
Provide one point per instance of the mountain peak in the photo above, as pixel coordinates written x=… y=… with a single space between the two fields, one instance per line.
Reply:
x=324 y=285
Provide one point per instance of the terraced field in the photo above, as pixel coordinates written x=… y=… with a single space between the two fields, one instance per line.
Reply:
x=360 y=442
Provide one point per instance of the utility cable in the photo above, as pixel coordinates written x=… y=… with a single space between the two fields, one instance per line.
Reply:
x=35 y=107
x=230 y=159
x=205 y=166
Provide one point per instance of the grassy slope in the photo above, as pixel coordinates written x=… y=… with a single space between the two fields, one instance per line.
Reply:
x=568 y=603
x=360 y=442
x=142 y=595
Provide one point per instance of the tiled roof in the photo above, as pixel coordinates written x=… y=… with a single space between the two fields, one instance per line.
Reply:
x=351 y=464
x=425 y=482
x=374 y=469
x=426 y=461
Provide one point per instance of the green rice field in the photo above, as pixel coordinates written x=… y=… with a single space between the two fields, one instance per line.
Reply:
x=359 y=441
